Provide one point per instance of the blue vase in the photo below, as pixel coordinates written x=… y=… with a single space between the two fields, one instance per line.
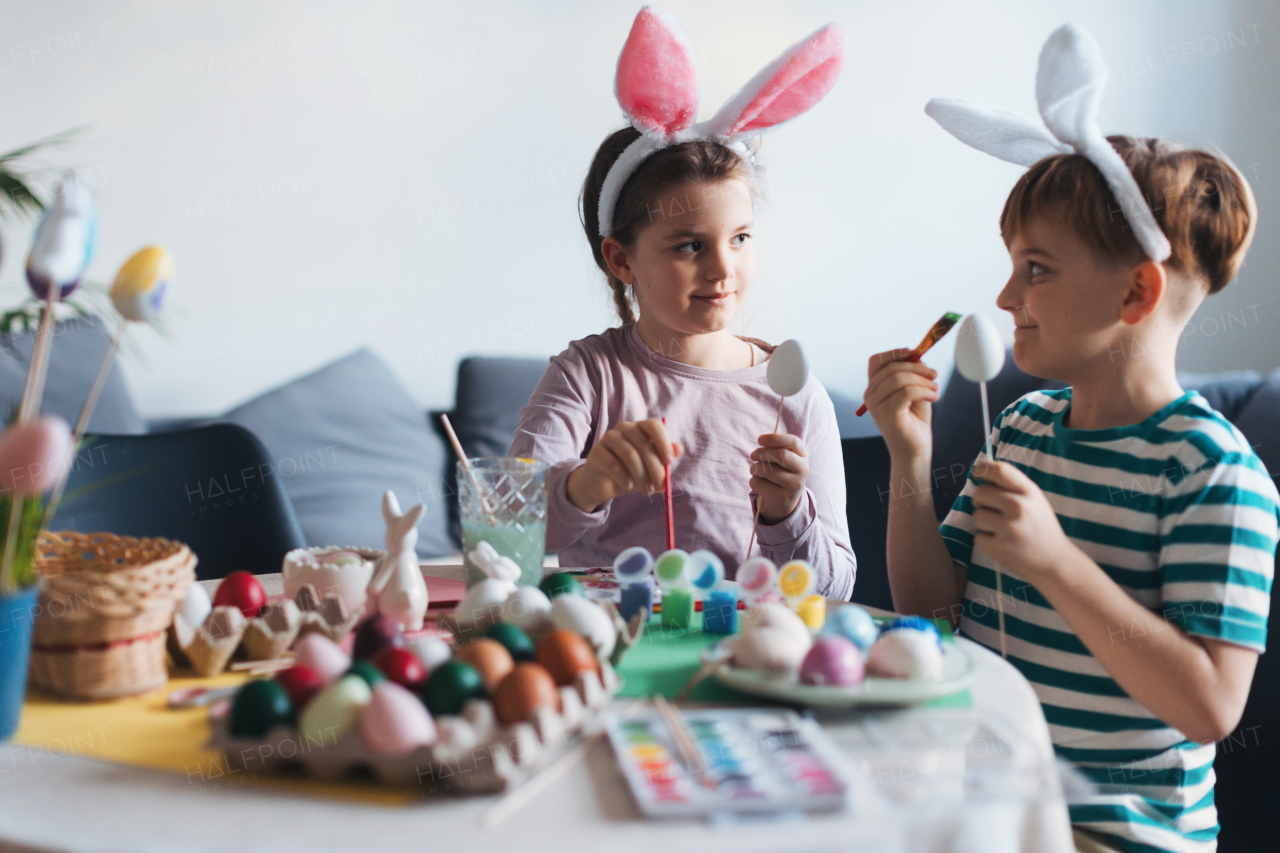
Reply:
x=17 y=612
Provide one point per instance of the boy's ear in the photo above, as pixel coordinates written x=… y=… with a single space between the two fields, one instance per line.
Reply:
x=617 y=259
x=1148 y=283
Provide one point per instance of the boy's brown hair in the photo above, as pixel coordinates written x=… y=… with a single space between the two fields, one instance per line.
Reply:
x=1202 y=203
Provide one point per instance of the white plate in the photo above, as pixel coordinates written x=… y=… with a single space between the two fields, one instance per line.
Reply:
x=957 y=673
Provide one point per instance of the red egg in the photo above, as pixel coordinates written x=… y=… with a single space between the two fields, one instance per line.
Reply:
x=242 y=590
x=301 y=683
x=402 y=667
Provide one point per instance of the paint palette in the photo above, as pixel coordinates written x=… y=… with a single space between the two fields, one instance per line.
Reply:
x=758 y=760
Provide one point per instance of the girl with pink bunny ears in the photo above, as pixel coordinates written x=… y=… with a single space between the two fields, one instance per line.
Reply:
x=668 y=208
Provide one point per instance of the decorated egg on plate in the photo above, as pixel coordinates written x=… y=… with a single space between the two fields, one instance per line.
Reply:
x=322 y=655
x=528 y=608
x=832 y=661
x=259 y=707
x=905 y=653
x=334 y=711
x=575 y=613
x=913 y=623
x=772 y=614
x=769 y=648
x=853 y=623
x=394 y=721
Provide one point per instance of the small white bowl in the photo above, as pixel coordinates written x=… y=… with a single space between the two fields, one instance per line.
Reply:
x=350 y=583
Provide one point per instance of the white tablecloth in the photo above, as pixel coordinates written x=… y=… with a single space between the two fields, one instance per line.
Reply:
x=943 y=779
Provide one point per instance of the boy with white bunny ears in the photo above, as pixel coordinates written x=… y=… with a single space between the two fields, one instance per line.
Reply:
x=1135 y=527
x=668 y=209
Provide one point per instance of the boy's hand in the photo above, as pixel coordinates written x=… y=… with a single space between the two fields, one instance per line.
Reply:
x=1015 y=522
x=899 y=396
x=627 y=460
x=779 y=469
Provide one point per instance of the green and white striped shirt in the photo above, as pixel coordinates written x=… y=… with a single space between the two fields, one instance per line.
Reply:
x=1179 y=511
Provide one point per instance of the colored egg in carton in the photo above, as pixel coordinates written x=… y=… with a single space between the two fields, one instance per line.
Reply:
x=226 y=632
x=471 y=752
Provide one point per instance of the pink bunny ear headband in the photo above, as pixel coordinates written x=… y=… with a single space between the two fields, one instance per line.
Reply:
x=1068 y=92
x=657 y=87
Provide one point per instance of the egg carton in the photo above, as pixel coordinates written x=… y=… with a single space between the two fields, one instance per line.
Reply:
x=473 y=753
x=226 y=633
x=628 y=630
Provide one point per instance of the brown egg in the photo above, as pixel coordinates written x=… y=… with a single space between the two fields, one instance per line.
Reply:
x=490 y=658
x=528 y=687
x=565 y=654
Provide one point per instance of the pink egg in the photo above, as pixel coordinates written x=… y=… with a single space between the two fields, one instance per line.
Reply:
x=395 y=721
x=34 y=455
x=322 y=655
x=832 y=661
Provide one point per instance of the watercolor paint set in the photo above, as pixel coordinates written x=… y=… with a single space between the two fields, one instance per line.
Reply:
x=756 y=761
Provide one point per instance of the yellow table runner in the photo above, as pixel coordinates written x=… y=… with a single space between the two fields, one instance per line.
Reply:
x=142 y=731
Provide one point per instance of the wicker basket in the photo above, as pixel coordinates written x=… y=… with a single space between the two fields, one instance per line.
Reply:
x=106 y=602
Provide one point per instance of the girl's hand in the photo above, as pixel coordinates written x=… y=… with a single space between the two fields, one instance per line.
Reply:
x=899 y=397
x=627 y=460
x=779 y=468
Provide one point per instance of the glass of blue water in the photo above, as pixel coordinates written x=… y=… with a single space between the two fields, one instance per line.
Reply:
x=503 y=501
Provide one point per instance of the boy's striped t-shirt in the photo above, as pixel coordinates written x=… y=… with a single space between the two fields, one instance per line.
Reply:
x=1180 y=512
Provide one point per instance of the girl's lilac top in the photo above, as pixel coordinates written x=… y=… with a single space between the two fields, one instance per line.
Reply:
x=717 y=416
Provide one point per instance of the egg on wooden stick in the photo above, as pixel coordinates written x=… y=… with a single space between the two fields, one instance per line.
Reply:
x=979 y=358
x=788 y=373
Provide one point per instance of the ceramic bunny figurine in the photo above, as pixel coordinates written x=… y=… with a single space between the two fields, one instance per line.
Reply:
x=483 y=602
x=397 y=589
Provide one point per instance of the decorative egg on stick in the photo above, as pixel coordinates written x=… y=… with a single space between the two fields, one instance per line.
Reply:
x=787 y=372
x=979 y=358
x=139 y=293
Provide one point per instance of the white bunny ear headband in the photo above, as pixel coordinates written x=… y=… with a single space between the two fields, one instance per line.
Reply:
x=657 y=87
x=1068 y=92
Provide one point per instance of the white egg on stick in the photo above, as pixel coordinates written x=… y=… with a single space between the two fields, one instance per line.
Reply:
x=979 y=358
x=788 y=373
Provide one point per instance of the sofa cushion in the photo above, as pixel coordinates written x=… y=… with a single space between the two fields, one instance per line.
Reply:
x=1259 y=420
x=1228 y=392
x=491 y=392
x=79 y=345
x=339 y=438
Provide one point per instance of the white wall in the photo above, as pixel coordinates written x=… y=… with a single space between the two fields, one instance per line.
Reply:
x=404 y=175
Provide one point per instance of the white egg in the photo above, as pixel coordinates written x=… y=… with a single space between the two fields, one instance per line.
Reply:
x=430 y=651
x=771 y=648
x=529 y=609
x=483 y=602
x=196 y=606
x=771 y=614
x=906 y=653
x=788 y=369
x=979 y=349
x=577 y=614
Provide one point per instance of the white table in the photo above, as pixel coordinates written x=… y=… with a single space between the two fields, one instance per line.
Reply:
x=907 y=799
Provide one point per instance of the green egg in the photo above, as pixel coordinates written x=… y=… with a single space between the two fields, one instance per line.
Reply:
x=560 y=583
x=258 y=708
x=449 y=687
x=334 y=711
x=366 y=670
x=513 y=638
